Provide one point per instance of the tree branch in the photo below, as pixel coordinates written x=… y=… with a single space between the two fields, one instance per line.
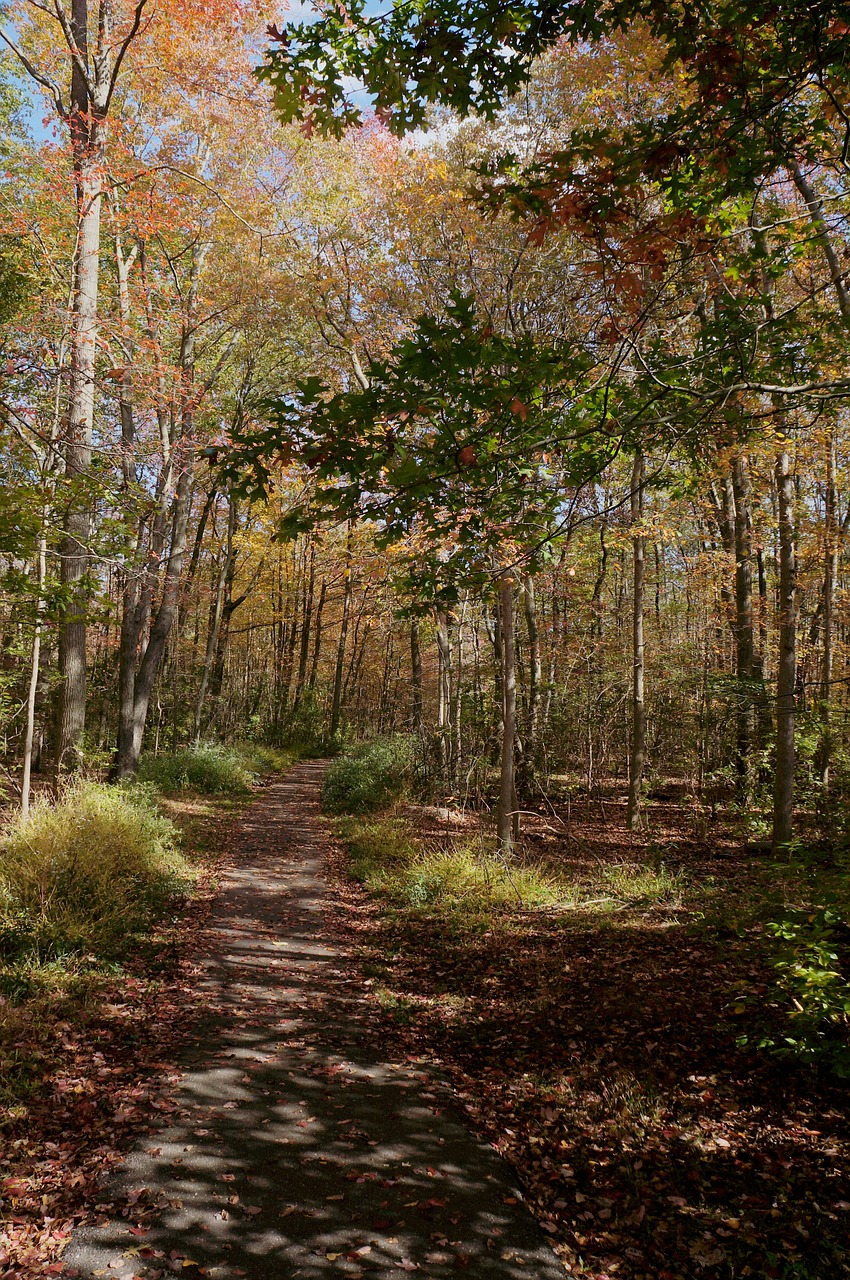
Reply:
x=36 y=75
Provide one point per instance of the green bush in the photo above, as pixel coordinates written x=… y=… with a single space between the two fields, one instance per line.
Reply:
x=82 y=876
x=258 y=758
x=207 y=768
x=370 y=776
x=811 y=967
x=388 y=859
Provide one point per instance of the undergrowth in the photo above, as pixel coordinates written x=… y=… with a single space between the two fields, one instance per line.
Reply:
x=811 y=961
x=388 y=859
x=370 y=776
x=207 y=768
x=80 y=881
x=212 y=769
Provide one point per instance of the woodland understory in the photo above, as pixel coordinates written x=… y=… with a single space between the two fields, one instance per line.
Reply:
x=482 y=427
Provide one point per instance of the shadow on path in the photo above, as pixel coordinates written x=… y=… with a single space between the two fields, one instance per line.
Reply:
x=292 y=1151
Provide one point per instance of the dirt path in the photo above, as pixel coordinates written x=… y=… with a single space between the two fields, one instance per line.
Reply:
x=293 y=1151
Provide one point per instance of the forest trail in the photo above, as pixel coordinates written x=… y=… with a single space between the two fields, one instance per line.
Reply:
x=293 y=1151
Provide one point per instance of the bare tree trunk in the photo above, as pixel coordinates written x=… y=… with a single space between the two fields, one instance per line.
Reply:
x=304 y=653
x=87 y=135
x=444 y=669
x=317 y=636
x=507 y=783
x=638 y=752
x=535 y=679
x=745 y=649
x=130 y=620
x=179 y=461
x=783 y=793
x=35 y=659
x=416 y=676
x=336 y=705
x=167 y=611
x=216 y=617
x=830 y=575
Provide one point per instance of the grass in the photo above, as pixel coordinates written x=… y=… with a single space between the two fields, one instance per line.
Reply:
x=81 y=877
x=388 y=859
x=635 y=884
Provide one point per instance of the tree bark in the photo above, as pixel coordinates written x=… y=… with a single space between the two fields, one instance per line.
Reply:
x=317 y=636
x=179 y=458
x=87 y=125
x=831 y=550
x=743 y=617
x=505 y=824
x=638 y=751
x=416 y=676
x=444 y=674
x=783 y=793
x=535 y=679
x=216 y=616
x=304 y=652
x=32 y=690
x=336 y=705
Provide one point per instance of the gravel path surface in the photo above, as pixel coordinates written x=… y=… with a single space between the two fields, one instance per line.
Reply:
x=293 y=1150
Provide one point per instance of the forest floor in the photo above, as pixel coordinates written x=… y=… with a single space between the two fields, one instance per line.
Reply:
x=592 y=1043
x=596 y=1045
x=282 y=1142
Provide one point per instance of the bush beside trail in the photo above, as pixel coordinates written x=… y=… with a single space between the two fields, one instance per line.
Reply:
x=208 y=768
x=212 y=769
x=370 y=776
x=85 y=875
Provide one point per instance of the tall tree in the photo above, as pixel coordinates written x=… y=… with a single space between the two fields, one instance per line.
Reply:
x=94 y=52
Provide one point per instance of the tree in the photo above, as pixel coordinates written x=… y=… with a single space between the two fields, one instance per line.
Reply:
x=93 y=65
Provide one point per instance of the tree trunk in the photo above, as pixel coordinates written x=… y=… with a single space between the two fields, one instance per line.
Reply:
x=336 y=705
x=444 y=671
x=167 y=610
x=216 y=617
x=783 y=793
x=317 y=636
x=416 y=676
x=507 y=784
x=829 y=577
x=743 y=617
x=535 y=679
x=179 y=457
x=130 y=621
x=32 y=691
x=638 y=752
x=304 y=653
x=87 y=136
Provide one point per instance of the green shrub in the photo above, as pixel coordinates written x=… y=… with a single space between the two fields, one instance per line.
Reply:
x=811 y=967
x=258 y=758
x=370 y=776
x=207 y=768
x=82 y=876
x=388 y=859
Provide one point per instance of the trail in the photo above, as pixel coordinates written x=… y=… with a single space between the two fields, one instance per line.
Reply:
x=293 y=1151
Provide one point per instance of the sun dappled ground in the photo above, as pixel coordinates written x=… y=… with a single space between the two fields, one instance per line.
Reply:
x=594 y=1038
